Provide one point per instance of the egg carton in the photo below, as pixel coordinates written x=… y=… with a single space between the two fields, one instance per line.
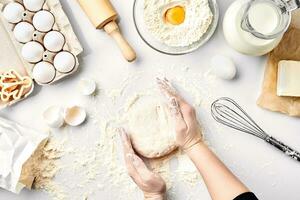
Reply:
x=51 y=65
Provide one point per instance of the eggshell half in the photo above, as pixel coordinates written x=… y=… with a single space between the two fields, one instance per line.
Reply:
x=87 y=87
x=54 y=116
x=75 y=115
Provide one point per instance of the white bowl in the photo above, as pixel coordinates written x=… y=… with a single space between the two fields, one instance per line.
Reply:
x=138 y=9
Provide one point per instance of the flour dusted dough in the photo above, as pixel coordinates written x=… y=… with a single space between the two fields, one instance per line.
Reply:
x=151 y=127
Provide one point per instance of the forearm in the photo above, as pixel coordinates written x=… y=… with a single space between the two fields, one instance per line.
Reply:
x=154 y=196
x=221 y=183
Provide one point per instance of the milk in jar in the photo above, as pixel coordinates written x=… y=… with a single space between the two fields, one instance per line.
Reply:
x=263 y=17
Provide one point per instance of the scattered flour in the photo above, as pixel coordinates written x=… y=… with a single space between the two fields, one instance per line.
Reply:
x=198 y=18
x=43 y=165
x=98 y=167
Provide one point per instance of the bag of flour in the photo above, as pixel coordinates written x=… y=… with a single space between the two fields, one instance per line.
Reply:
x=17 y=146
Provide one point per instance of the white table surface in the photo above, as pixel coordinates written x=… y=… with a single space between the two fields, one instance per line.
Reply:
x=266 y=171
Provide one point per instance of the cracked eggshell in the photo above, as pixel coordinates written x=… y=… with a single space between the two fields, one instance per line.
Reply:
x=13 y=12
x=43 y=72
x=223 y=67
x=34 y=5
x=23 y=32
x=87 y=87
x=43 y=21
x=75 y=115
x=64 y=62
x=32 y=52
x=54 y=41
x=54 y=116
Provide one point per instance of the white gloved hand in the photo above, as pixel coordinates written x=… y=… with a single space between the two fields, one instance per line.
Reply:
x=152 y=185
x=188 y=132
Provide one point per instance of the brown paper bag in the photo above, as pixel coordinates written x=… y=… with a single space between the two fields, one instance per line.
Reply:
x=288 y=49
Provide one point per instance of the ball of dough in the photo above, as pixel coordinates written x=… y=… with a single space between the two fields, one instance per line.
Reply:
x=43 y=21
x=33 y=5
x=54 y=41
x=43 y=72
x=13 y=12
x=223 y=67
x=151 y=127
x=32 y=52
x=23 y=32
x=64 y=62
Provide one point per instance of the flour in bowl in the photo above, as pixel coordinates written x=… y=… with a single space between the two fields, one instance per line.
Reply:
x=177 y=23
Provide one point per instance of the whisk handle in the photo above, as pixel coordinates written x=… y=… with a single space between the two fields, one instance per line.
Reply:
x=284 y=148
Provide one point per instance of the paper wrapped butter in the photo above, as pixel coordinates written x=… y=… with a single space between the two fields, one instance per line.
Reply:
x=17 y=145
x=288 y=49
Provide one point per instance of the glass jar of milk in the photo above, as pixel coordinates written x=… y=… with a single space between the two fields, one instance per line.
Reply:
x=255 y=27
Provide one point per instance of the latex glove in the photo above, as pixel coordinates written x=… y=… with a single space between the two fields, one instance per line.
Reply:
x=188 y=132
x=152 y=185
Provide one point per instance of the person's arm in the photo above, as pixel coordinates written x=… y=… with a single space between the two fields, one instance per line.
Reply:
x=221 y=183
x=152 y=185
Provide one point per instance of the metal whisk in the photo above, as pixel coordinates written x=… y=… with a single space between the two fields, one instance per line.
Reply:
x=226 y=111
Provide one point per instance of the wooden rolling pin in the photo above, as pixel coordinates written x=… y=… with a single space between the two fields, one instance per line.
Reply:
x=103 y=16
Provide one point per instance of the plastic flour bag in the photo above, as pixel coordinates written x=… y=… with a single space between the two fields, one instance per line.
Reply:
x=17 y=145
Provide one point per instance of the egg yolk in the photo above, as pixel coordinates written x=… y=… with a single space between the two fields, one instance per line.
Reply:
x=175 y=15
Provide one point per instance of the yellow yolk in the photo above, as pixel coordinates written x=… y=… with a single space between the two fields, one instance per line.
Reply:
x=175 y=15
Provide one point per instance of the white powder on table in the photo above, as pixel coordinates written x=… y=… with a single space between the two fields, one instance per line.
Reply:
x=92 y=169
x=198 y=17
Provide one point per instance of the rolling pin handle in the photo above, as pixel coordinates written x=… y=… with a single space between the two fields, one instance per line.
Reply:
x=112 y=29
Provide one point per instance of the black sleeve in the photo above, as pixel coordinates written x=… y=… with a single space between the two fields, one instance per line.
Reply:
x=246 y=196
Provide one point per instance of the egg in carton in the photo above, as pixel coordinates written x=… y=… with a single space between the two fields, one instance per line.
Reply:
x=45 y=38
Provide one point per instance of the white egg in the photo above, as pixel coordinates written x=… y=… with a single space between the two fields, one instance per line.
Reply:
x=54 y=41
x=23 y=32
x=223 y=67
x=32 y=52
x=13 y=12
x=54 y=116
x=75 y=115
x=43 y=21
x=43 y=72
x=87 y=87
x=64 y=62
x=33 y=5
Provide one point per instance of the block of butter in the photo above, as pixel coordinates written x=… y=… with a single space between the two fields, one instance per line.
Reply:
x=288 y=82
